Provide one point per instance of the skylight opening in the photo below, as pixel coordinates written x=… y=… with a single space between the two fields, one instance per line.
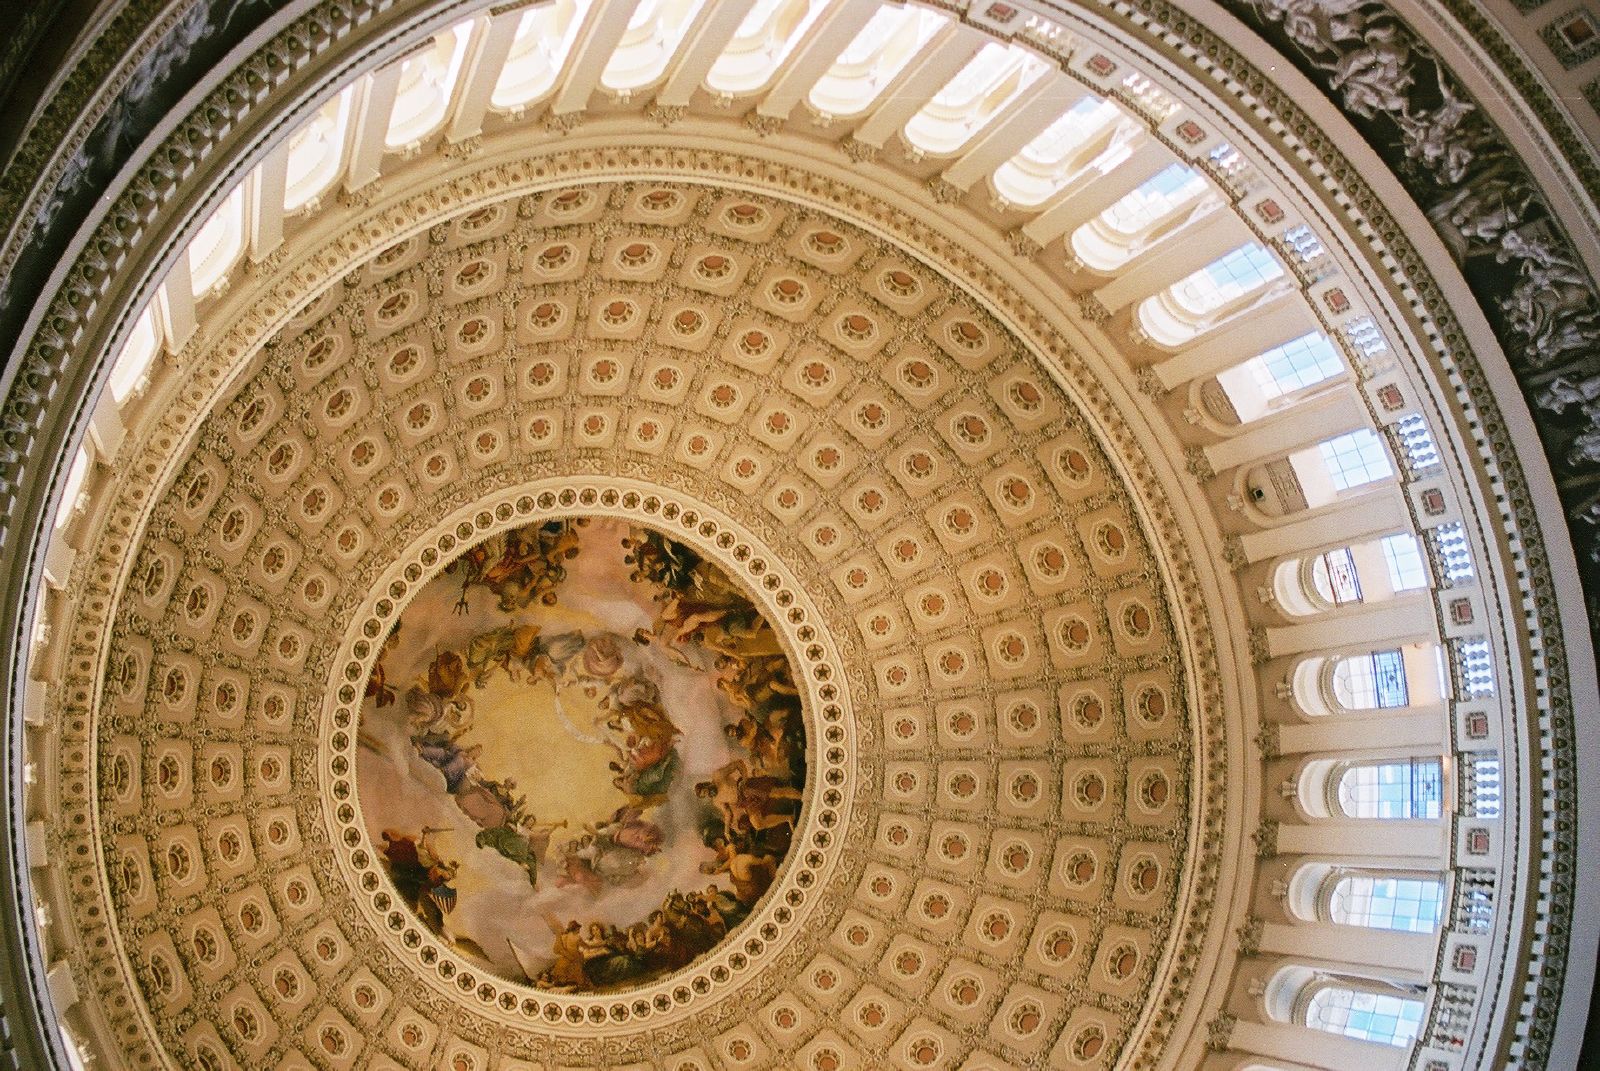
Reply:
x=427 y=81
x=1403 y=555
x=539 y=51
x=1364 y=1015
x=648 y=45
x=1355 y=459
x=985 y=86
x=874 y=58
x=1049 y=161
x=317 y=152
x=761 y=44
x=73 y=488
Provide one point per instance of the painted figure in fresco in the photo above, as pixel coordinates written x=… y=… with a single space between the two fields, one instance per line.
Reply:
x=737 y=822
x=749 y=803
x=751 y=874
x=521 y=566
x=420 y=875
x=568 y=971
x=377 y=688
x=524 y=843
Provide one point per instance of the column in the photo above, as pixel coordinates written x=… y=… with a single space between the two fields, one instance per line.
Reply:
x=939 y=61
x=1423 y=728
x=1419 y=843
x=263 y=203
x=699 y=52
x=1381 y=510
x=374 y=105
x=485 y=61
x=814 y=55
x=1403 y=619
x=1359 y=950
x=1273 y=322
x=174 y=305
x=1281 y=434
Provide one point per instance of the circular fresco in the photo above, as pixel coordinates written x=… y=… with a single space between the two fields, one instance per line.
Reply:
x=582 y=755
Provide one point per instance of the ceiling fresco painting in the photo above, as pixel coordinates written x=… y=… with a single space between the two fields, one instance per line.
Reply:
x=582 y=754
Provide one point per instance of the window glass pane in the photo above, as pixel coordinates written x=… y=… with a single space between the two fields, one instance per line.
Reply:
x=1413 y=905
x=1369 y=1016
x=1404 y=558
x=1355 y=459
x=1171 y=188
x=1392 y=790
x=1371 y=682
x=143 y=342
x=1245 y=269
x=1303 y=362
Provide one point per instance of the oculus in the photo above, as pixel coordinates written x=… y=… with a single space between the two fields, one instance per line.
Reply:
x=582 y=755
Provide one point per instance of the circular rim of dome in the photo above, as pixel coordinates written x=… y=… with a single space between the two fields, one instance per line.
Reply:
x=1536 y=562
x=275 y=311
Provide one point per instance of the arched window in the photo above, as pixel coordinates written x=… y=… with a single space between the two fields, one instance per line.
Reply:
x=316 y=152
x=1386 y=1014
x=1409 y=903
x=73 y=488
x=427 y=82
x=1242 y=271
x=889 y=41
x=990 y=80
x=1412 y=788
x=648 y=44
x=538 y=52
x=1048 y=162
x=763 y=41
x=218 y=245
x=144 y=340
x=1372 y=681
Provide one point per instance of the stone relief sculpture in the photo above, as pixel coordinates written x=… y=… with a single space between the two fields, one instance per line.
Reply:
x=1483 y=203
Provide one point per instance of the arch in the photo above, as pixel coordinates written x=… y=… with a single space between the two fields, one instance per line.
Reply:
x=1370 y=571
x=427 y=85
x=760 y=45
x=1384 y=789
x=539 y=50
x=1093 y=133
x=875 y=57
x=1206 y=297
x=1360 y=1009
x=1379 y=898
x=1382 y=678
